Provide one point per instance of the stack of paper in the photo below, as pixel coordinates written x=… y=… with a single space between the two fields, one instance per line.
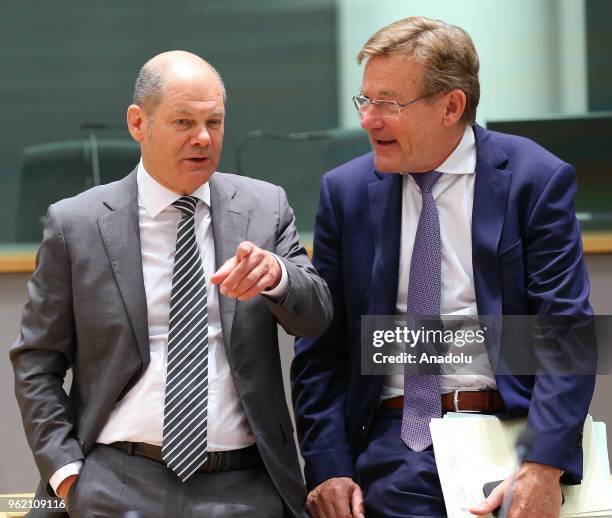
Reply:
x=476 y=449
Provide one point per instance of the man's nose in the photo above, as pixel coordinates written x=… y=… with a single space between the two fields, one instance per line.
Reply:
x=201 y=138
x=371 y=119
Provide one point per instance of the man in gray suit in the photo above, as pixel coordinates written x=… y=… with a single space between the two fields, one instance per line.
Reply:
x=162 y=292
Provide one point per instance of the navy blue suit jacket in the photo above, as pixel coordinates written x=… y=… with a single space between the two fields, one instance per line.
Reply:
x=527 y=259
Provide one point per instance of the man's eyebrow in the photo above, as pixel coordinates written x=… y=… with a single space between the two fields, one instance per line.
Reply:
x=388 y=93
x=383 y=93
x=183 y=111
x=186 y=111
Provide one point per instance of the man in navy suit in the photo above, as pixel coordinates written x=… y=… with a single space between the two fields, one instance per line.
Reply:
x=508 y=244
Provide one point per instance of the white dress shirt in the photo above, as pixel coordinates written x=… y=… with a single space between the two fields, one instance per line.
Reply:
x=454 y=196
x=139 y=415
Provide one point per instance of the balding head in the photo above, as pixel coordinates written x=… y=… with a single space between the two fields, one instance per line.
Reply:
x=165 y=68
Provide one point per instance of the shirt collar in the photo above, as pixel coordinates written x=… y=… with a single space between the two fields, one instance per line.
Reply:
x=463 y=158
x=155 y=198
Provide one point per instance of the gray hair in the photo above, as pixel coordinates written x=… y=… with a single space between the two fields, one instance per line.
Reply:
x=446 y=51
x=149 y=86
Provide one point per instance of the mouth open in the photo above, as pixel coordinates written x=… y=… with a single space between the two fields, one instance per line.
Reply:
x=379 y=142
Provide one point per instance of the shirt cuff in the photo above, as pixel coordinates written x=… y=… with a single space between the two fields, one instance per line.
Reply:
x=64 y=472
x=279 y=291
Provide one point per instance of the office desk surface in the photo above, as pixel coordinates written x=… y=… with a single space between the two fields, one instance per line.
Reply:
x=20 y=257
x=17 y=257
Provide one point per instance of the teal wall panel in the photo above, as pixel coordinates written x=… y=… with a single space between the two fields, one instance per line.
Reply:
x=68 y=63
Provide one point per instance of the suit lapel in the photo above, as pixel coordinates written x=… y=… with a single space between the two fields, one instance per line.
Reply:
x=121 y=236
x=230 y=225
x=385 y=211
x=491 y=188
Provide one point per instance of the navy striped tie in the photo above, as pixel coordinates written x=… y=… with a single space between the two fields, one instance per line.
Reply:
x=185 y=408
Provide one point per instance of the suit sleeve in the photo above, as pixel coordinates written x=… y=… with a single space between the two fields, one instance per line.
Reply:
x=306 y=308
x=557 y=285
x=318 y=372
x=42 y=354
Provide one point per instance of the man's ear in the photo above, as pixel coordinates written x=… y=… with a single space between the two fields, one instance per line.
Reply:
x=136 y=121
x=454 y=108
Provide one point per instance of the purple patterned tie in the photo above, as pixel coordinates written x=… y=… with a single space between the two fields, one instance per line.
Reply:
x=422 y=400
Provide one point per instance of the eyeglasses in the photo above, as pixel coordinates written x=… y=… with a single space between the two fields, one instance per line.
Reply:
x=387 y=108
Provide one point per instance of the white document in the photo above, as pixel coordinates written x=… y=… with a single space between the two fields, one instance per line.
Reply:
x=479 y=449
x=599 y=432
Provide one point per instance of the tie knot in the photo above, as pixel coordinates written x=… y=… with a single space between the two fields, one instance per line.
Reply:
x=426 y=181
x=186 y=204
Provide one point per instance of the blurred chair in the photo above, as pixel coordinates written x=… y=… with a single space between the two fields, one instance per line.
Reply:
x=59 y=170
x=9 y=183
x=297 y=161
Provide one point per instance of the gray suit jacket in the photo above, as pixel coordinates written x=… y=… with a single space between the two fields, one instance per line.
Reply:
x=87 y=311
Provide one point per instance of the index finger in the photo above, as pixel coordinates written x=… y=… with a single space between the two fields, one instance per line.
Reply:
x=244 y=249
x=221 y=274
x=357 y=505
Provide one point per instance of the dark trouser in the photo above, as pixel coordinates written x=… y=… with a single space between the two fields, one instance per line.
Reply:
x=396 y=481
x=113 y=483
